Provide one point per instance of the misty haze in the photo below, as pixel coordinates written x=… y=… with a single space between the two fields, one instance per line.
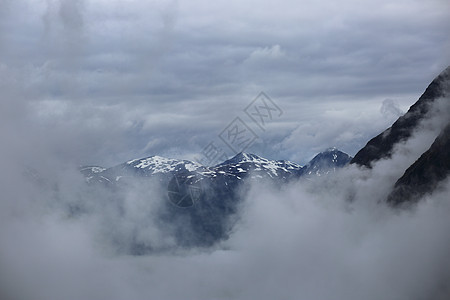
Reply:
x=224 y=150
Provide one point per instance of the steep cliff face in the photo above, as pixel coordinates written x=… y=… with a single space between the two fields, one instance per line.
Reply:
x=425 y=174
x=381 y=146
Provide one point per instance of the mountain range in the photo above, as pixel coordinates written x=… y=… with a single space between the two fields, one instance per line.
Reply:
x=201 y=203
x=242 y=166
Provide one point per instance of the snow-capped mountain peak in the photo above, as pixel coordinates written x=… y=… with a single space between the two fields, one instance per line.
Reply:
x=327 y=161
x=259 y=166
x=243 y=157
x=159 y=164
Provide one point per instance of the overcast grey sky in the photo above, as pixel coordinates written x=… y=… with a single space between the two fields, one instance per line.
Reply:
x=115 y=80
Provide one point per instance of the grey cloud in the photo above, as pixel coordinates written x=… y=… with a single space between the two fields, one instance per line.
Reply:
x=71 y=14
x=64 y=29
x=390 y=107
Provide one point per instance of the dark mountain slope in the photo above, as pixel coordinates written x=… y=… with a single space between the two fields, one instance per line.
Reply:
x=382 y=145
x=326 y=162
x=425 y=174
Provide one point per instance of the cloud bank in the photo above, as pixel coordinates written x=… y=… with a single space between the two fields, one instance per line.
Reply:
x=333 y=237
x=305 y=241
